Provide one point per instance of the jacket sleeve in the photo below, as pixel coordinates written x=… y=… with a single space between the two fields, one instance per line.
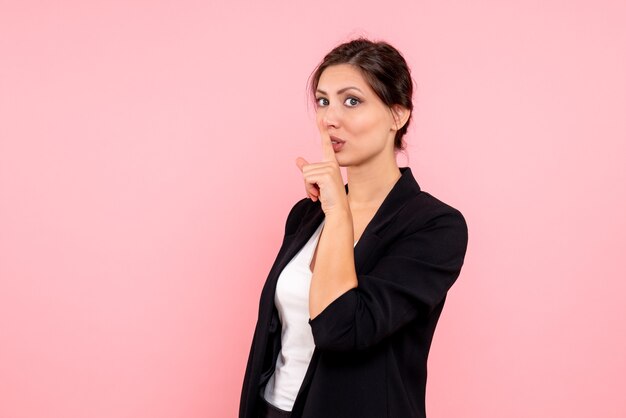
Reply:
x=409 y=280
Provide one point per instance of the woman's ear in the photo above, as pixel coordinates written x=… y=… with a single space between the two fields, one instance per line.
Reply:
x=400 y=115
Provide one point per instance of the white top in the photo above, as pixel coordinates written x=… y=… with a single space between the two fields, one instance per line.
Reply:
x=297 y=345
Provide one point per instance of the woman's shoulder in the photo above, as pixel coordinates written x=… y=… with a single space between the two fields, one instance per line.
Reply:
x=427 y=201
x=296 y=213
x=426 y=209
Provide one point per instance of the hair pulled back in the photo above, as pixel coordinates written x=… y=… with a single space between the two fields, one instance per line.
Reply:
x=384 y=69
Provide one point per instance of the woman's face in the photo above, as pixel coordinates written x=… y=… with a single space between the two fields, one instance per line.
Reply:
x=348 y=108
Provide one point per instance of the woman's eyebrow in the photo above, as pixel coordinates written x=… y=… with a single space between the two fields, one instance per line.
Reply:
x=342 y=90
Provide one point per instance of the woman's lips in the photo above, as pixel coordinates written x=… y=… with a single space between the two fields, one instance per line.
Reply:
x=337 y=143
x=337 y=146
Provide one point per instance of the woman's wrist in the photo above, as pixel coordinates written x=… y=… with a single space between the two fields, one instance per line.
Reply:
x=339 y=215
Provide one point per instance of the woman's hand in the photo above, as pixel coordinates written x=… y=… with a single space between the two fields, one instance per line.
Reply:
x=323 y=181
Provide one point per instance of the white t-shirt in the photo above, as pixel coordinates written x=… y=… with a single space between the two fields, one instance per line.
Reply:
x=297 y=345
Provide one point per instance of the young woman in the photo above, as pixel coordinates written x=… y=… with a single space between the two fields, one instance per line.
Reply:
x=349 y=308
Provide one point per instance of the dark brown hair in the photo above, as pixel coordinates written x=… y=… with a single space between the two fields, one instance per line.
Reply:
x=384 y=69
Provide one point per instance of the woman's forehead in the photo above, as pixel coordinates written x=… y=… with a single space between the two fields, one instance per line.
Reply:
x=340 y=76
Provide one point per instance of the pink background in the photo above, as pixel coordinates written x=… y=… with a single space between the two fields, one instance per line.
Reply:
x=147 y=166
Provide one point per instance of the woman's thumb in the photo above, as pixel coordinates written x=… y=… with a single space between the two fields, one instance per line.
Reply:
x=301 y=162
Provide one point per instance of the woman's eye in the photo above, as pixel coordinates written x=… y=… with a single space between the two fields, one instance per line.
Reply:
x=322 y=101
x=352 y=101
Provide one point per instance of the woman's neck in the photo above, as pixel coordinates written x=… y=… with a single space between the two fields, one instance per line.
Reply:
x=368 y=186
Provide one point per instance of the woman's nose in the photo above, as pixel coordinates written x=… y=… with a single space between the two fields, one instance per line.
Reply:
x=331 y=117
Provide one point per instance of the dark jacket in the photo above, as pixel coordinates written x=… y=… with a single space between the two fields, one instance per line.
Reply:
x=372 y=342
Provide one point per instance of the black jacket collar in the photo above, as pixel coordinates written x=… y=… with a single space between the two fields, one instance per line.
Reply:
x=403 y=190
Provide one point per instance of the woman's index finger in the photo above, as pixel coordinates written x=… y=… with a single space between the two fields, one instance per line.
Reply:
x=327 y=147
